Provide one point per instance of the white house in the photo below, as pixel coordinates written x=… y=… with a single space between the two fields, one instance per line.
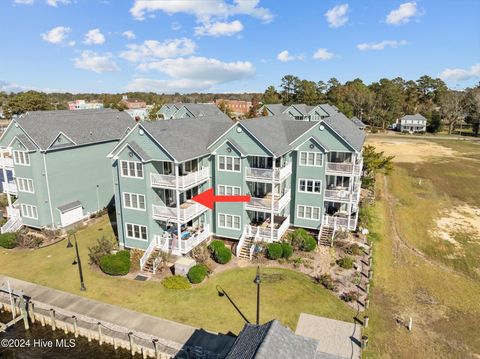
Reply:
x=412 y=123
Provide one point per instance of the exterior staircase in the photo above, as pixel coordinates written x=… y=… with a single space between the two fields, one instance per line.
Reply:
x=245 y=250
x=150 y=264
x=326 y=236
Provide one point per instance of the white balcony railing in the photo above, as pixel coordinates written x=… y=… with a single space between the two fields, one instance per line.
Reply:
x=6 y=161
x=10 y=187
x=265 y=234
x=344 y=168
x=266 y=202
x=188 y=211
x=342 y=194
x=183 y=246
x=339 y=222
x=189 y=180
x=264 y=174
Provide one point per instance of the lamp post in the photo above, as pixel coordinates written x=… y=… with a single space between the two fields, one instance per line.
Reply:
x=257 y=281
x=77 y=260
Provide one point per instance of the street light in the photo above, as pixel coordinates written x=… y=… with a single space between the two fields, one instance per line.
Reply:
x=77 y=261
x=257 y=281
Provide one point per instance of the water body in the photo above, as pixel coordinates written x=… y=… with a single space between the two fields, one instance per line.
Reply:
x=37 y=339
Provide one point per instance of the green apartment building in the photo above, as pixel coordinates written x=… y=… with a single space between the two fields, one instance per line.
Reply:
x=61 y=173
x=298 y=173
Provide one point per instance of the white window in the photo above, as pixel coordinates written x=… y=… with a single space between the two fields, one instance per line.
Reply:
x=309 y=186
x=228 y=221
x=228 y=190
x=136 y=231
x=229 y=163
x=25 y=185
x=311 y=159
x=21 y=158
x=132 y=169
x=308 y=212
x=29 y=211
x=134 y=201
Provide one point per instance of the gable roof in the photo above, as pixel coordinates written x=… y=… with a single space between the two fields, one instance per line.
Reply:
x=276 y=108
x=82 y=126
x=271 y=340
x=304 y=109
x=417 y=116
x=346 y=129
x=359 y=123
x=203 y=109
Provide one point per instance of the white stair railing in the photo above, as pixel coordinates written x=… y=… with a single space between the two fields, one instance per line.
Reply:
x=241 y=242
x=148 y=252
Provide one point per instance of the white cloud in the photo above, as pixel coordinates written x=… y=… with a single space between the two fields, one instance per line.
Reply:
x=152 y=49
x=94 y=37
x=24 y=2
x=129 y=34
x=202 y=10
x=219 y=28
x=285 y=56
x=461 y=74
x=57 y=35
x=403 y=14
x=98 y=63
x=322 y=54
x=381 y=45
x=56 y=2
x=337 y=16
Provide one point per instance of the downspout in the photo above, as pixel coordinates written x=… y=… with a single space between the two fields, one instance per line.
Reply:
x=272 y=222
x=48 y=190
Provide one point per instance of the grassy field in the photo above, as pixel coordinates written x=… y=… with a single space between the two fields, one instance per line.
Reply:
x=418 y=273
x=285 y=293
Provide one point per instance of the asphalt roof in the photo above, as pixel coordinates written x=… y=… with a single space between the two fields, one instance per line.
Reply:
x=276 y=108
x=346 y=129
x=359 y=123
x=417 y=116
x=69 y=206
x=271 y=340
x=81 y=126
x=203 y=109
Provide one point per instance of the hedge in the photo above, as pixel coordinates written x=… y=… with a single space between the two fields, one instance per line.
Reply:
x=116 y=264
x=215 y=245
x=197 y=273
x=8 y=240
x=176 y=282
x=309 y=244
x=345 y=262
x=222 y=255
x=274 y=251
x=287 y=250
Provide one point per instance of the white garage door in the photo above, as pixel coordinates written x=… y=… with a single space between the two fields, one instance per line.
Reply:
x=71 y=216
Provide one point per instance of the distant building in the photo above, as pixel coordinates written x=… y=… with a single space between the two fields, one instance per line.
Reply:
x=188 y=110
x=299 y=112
x=140 y=114
x=238 y=108
x=411 y=123
x=84 y=105
x=133 y=103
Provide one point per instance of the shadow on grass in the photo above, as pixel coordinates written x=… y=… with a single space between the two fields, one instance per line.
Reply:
x=221 y=292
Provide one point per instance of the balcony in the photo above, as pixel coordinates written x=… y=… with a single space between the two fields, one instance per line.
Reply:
x=337 y=222
x=6 y=162
x=10 y=187
x=264 y=233
x=265 y=203
x=342 y=194
x=184 y=182
x=344 y=168
x=188 y=210
x=268 y=174
x=191 y=238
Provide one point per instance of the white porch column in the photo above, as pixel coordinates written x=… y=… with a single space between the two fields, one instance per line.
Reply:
x=177 y=199
x=5 y=178
x=272 y=219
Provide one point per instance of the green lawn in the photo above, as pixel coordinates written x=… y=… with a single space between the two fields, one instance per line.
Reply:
x=285 y=293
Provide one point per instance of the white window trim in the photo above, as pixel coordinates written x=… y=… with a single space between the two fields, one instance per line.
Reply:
x=304 y=211
x=24 y=212
x=139 y=225
x=25 y=155
x=313 y=180
x=226 y=227
x=314 y=160
x=138 y=202
x=22 y=187
x=232 y=187
x=233 y=164
x=128 y=166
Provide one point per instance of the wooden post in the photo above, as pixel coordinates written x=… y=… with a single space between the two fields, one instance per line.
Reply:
x=114 y=343
x=364 y=342
x=155 y=347
x=367 y=302
x=23 y=311
x=42 y=320
x=365 y=321
x=130 y=337
x=52 y=319
x=367 y=288
x=99 y=327
x=410 y=324
x=65 y=327
x=89 y=335
x=75 y=326
x=31 y=311
x=370 y=273
x=144 y=353
x=370 y=260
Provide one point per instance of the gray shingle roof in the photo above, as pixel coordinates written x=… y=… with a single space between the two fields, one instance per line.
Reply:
x=69 y=206
x=276 y=108
x=304 y=109
x=271 y=340
x=346 y=129
x=187 y=138
x=203 y=109
x=139 y=150
x=358 y=122
x=81 y=126
x=417 y=116
x=26 y=142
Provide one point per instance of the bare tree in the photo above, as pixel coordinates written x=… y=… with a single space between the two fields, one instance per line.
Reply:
x=451 y=108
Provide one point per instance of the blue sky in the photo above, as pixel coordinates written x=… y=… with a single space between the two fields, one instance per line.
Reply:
x=232 y=45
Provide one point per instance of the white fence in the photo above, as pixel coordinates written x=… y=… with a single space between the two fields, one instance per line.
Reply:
x=170 y=213
x=190 y=179
x=265 y=234
x=344 y=167
x=263 y=174
x=183 y=246
x=10 y=187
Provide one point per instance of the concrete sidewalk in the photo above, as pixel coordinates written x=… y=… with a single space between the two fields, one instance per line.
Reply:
x=173 y=334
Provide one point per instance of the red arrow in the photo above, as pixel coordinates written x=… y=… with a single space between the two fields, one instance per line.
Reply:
x=208 y=198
